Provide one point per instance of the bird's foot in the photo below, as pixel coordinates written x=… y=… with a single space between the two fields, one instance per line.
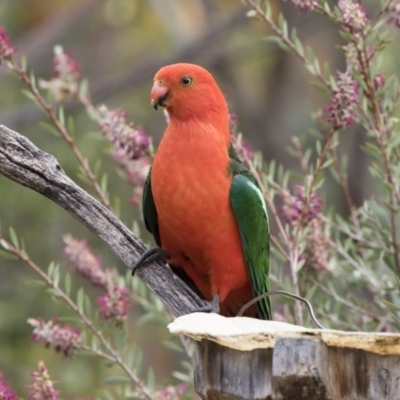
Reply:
x=153 y=254
x=212 y=306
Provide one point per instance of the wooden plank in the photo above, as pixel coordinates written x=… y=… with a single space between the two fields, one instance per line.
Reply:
x=299 y=369
x=223 y=373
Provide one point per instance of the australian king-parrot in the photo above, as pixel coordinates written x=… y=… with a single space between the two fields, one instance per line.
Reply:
x=201 y=204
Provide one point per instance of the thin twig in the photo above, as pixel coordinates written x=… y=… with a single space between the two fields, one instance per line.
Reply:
x=285 y=293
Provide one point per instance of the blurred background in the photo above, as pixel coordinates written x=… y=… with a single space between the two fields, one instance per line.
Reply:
x=120 y=45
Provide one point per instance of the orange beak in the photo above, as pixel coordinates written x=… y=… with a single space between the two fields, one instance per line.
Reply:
x=159 y=95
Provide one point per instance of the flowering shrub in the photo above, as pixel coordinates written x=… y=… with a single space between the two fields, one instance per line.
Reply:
x=346 y=264
x=42 y=387
x=6 y=393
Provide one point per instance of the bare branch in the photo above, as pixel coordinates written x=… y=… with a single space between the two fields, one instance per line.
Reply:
x=22 y=162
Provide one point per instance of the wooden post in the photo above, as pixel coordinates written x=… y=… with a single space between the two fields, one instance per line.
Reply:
x=245 y=359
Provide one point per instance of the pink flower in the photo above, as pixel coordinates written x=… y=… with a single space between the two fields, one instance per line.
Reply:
x=6 y=50
x=352 y=61
x=63 y=338
x=42 y=388
x=65 y=67
x=136 y=170
x=353 y=14
x=131 y=148
x=341 y=111
x=81 y=258
x=129 y=143
x=115 y=303
x=305 y=5
x=6 y=393
x=242 y=147
x=66 y=71
x=296 y=206
x=316 y=252
x=394 y=14
x=171 y=392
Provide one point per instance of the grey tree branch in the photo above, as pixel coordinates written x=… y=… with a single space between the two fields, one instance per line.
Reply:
x=24 y=163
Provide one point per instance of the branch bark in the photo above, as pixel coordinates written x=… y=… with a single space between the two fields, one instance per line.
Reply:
x=24 y=163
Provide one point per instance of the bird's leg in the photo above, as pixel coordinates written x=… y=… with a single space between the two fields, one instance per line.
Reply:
x=153 y=254
x=212 y=306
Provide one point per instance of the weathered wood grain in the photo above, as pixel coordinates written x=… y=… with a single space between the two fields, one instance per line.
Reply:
x=295 y=369
x=247 y=359
x=24 y=163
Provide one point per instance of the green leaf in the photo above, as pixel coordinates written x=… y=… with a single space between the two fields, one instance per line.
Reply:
x=7 y=255
x=56 y=276
x=50 y=128
x=327 y=163
x=169 y=344
x=61 y=116
x=145 y=318
x=321 y=87
x=80 y=298
x=83 y=87
x=13 y=237
x=391 y=306
x=4 y=244
x=71 y=126
x=51 y=269
x=104 y=182
x=53 y=292
x=181 y=376
x=28 y=94
x=132 y=356
x=318 y=146
x=371 y=150
x=95 y=343
x=396 y=319
x=88 y=306
x=151 y=379
x=33 y=79
x=278 y=41
x=23 y=63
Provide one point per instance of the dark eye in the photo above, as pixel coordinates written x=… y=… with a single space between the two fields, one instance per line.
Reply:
x=186 y=81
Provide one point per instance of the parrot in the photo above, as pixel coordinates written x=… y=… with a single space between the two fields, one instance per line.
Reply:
x=202 y=205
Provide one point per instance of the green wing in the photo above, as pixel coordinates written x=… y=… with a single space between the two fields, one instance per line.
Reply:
x=251 y=215
x=149 y=210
